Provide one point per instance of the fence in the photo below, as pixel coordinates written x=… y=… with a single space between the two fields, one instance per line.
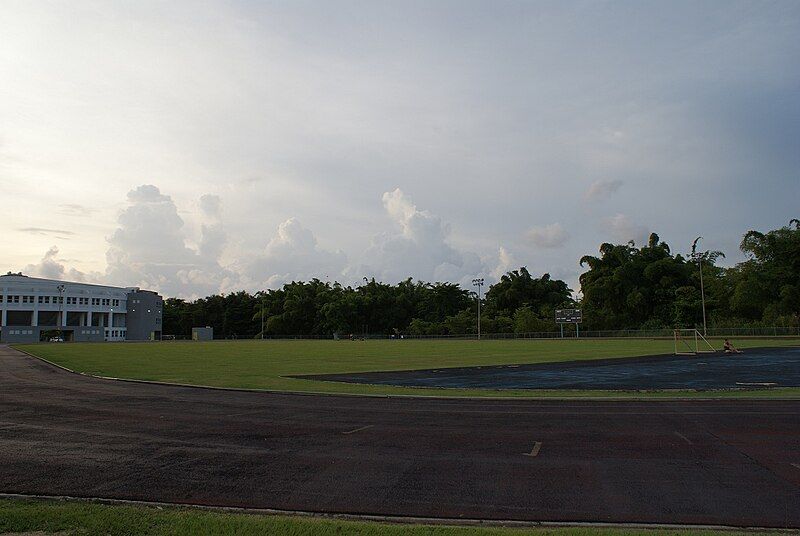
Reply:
x=775 y=331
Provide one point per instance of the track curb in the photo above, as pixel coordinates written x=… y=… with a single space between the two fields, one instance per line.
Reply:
x=394 y=520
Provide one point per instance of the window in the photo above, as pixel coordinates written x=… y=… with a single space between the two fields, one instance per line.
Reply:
x=1 y=298
x=41 y=299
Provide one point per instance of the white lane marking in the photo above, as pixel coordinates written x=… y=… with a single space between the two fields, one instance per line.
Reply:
x=688 y=441
x=358 y=429
x=535 y=451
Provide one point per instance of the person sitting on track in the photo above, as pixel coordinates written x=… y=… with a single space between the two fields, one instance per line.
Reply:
x=728 y=348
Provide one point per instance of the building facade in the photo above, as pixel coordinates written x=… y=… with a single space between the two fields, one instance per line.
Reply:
x=34 y=309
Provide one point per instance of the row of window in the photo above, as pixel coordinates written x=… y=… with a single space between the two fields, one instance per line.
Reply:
x=116 y=333
x=71 y=300
x=20 y=332
x=90 y=332
x=105 y=301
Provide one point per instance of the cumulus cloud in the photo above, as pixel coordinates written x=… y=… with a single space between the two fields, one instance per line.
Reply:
x=292 y=254
x=505 y=263
x=50 y=267
x=149 y=248
x=622 y=229
x=548 y=236
x=213 y=236
x=211 y=205
x=418 y=247
x=601 y=189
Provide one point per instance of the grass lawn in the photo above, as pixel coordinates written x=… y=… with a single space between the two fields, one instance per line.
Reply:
x=83 y=518
x=258 y=364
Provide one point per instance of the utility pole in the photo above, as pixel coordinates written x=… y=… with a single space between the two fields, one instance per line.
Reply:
x=699 y=258
x=478 y=282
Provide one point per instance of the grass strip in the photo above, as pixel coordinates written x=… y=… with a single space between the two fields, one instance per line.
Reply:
x=86 y=518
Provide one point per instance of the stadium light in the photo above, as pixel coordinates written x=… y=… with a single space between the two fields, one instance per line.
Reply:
x=699 y=258
x=478 y=282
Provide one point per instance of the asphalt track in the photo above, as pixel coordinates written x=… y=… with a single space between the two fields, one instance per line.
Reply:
x=690 y=462
x=757 y=367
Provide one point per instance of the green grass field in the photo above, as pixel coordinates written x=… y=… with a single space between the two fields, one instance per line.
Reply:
x=83 y=518
x=265 y=364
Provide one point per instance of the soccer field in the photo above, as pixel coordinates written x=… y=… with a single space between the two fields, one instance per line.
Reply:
x=266 y=364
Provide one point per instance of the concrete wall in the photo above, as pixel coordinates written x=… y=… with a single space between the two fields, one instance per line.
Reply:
x=19 y=334
x=11 y=334
x=144 y=316
x=203 y=334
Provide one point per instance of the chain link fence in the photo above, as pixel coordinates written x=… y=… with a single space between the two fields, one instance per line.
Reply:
x=569 y=333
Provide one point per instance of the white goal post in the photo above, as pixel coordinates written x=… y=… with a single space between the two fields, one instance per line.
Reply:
x=691 y=342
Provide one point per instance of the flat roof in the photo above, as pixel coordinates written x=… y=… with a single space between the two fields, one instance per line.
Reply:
x=21 y=278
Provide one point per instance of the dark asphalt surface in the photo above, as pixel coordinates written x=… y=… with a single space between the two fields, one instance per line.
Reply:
x=706 y=462
x=774 y=367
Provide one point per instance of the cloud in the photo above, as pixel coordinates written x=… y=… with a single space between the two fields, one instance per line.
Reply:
x=505 y=263
x=149 y=249
x=601 y=189
x=211 y=205
x=548 y=236
x=292 y=254
x=51 y=268
x=418 y=248
x=213 y=236
x=477 y=116
x=42 y=231
x=623 y=230
x=74 y=209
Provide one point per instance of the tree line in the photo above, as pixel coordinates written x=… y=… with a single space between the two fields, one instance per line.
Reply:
x=624 y=287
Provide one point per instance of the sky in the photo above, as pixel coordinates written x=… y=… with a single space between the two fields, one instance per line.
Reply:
x=203 y=147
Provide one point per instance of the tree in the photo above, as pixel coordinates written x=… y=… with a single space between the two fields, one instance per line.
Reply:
x=768 y=283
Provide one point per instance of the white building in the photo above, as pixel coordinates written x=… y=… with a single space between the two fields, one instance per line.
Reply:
x=33 y=309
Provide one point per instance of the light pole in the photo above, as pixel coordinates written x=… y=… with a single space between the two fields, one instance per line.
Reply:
x=478 y=282
x=262 y=318
x=699 y=258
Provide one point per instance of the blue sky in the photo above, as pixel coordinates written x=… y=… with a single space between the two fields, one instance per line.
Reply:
x=204 y=147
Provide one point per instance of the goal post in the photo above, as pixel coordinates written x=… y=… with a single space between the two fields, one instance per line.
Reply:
x=691 y=342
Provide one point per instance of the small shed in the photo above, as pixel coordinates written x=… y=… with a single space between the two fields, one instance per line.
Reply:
x=203 y=334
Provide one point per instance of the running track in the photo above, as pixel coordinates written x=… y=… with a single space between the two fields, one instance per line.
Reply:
x=689 y=462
